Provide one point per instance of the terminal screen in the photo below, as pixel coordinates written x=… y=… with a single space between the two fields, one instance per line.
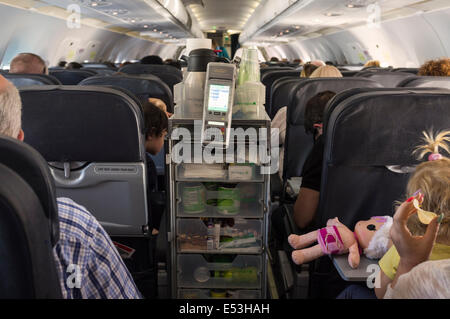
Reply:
x=218 y=98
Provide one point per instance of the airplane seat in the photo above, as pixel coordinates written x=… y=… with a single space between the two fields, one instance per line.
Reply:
x=93 y=139
x=268 y=79
x=29 y=164
x=167 y=73
x=72 y=77
x=99 y=71
x=27 y=267
x=23 y=80
x=426 y=81
x=280 y=93
x=407 y=70
x=386 y=78
x=347 y=73
x=144 y=86
x=271 y=68
x=358 y=175
x=93 y=65
x=298 y=144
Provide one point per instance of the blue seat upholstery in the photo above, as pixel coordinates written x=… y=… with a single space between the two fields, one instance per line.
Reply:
x=22 y=80
x=144 y=86
x=281 y=93
x=269 y=78
x=386 y=78
x=27 y=266
x=426 y=81
x=167 y=73
x=72 y=77
x=30 y=166
x=298 y=143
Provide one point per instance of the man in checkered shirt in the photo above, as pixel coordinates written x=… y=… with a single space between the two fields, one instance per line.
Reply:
x=88 y=264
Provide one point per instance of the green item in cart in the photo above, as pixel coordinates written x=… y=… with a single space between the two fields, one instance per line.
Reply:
x=248 y=275
x=211 y=193
x=228 y=202
x=194 y=198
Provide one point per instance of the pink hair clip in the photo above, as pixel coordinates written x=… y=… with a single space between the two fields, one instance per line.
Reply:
x=434 y=157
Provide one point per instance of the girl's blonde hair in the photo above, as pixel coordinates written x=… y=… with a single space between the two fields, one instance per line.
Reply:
x=432 y=178
x=327 y=71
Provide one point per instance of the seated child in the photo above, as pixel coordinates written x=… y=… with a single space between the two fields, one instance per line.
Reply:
x=431 y=183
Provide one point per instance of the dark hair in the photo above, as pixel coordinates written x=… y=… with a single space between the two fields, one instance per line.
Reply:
x=175 y=64
x=309 y=68
x=62 y=64
x=156 y=121
x=315 y=108
x=152 y=59
x=274 y=59
x=330 y=63
x=74 y=66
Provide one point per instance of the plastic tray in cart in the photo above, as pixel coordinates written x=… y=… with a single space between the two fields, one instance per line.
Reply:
x=211 y=199
x=218 y=294
x=230 y=235
x=235 y=172
x=219 y=271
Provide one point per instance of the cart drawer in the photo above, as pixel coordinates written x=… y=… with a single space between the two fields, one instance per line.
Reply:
x=219 y=200
x=219 y=271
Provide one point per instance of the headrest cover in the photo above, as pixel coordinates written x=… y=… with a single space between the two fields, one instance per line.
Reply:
x=364 y=130
x=87 y=124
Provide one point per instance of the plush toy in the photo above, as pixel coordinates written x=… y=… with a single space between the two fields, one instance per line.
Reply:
x=370 y=236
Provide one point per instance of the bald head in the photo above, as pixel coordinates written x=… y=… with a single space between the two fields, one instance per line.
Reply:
x=28 y=63
x=10 y=110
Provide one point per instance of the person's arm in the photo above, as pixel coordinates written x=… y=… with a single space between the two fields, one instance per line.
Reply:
x=384 y=281
x=305 y=206
x=413 y=250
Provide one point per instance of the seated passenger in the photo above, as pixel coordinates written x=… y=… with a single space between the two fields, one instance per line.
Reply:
x=308 y=69
x=83 y=242
x=160 y=104
x=62 y=64
x=74 y=66
x=156 y=124
x=439 y=67
x=372 y=64
x=28 y=63
x=279 y=121
x=430 y=184
x=274 y=59
x=307 y=202
x=152 y=59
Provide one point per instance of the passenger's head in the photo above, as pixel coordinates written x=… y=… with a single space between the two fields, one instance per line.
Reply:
x=152 y=59
x=314 y=112
x=62 y=64
x=274 y=59
x=308 y=69
x=432 y=178
x=28 y=63
x=318 y=63
x=330 y=63
x=439 y=67
x=326 y=71
x=156 y=126
x=298 y=61
x=10 y=110
x=74 y=66
x=372 y=64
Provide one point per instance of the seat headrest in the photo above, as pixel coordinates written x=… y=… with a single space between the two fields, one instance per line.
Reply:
x=309 y=88
x=143 y=87
x=83 y=124
x=151 y=69
x=72 y=77
x=31 y=166
x=387 y=78
x=426 y=81
x=367 y=126
x=28 y=268
x=22 y=80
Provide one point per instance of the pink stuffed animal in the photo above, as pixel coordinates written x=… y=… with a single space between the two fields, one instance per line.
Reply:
x=372 y=236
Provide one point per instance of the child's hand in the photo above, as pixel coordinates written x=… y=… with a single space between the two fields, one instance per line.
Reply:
x=413 y=250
